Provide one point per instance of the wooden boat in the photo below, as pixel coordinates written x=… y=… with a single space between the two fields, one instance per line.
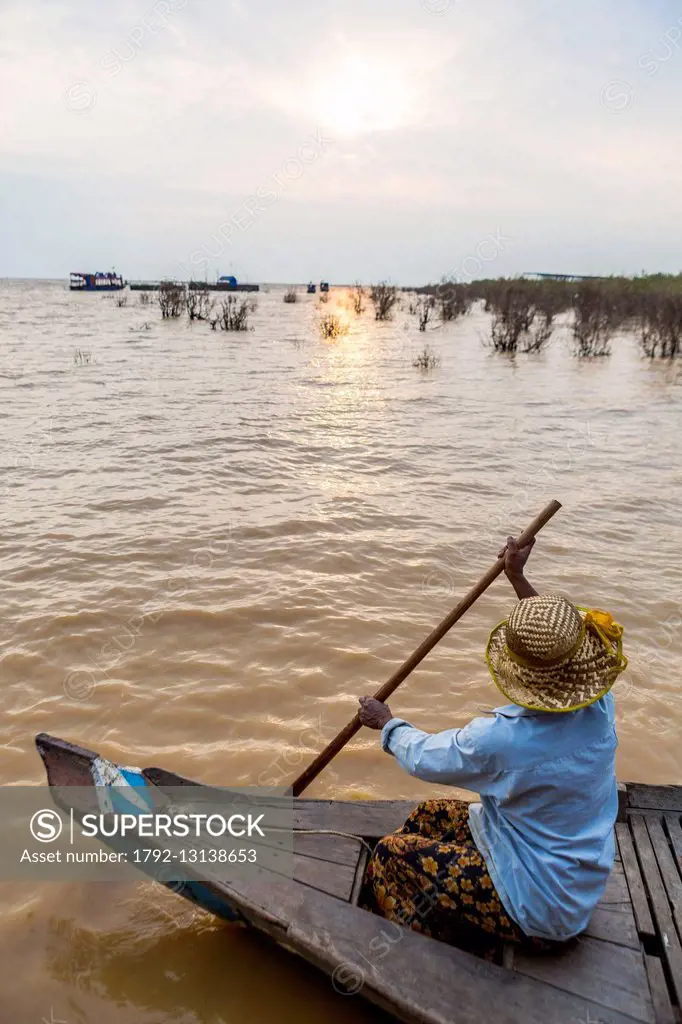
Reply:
x=626 y=967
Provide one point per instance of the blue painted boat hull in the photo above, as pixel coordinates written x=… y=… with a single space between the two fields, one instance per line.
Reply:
x=123 y=790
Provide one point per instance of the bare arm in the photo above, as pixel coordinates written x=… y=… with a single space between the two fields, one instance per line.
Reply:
x=515 y=559
x=522 y=587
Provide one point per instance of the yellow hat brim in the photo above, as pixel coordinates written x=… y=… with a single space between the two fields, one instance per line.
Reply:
x=585 y=677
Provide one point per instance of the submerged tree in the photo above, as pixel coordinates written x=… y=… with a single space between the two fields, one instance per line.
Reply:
x=513 y=314
x=332 y=326
x=550 y=298
x=660 y=328
x=234 y=314
x=425 y=310
x=357 y=294
x=453 y=300
x=384 y=296
x=594 y=321
x=426 y=360
x=171 y=297
x=198 y=303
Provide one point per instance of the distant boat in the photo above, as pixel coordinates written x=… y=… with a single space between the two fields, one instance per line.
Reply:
x=228 y=283
x=324 y=286
x=312 y=288
x=96 y=282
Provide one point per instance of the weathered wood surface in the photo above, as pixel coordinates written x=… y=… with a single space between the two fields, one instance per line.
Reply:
x=335 y=879
x=662 y=913
x=658 y=798
x=640 y=904
x=614 y=922
x=417 y=980
x=622 y=801
x=607 y=977
x=616 y=887
x=368 y=818
x=436 y=984
x=336 y=849
x=674 y=830
x=610 y=975
x=660 y=996
x=668 y=868
x=339 y=850
x=360 y=869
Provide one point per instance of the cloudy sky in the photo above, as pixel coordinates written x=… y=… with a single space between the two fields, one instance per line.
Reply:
x=347 y=139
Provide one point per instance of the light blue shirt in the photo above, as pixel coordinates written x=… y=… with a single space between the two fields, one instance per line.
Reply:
x=549 y=800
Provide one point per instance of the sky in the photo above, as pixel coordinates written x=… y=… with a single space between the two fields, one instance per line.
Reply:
x=401 y=140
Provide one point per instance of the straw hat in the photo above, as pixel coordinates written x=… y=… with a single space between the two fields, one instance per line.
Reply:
x=550 y=655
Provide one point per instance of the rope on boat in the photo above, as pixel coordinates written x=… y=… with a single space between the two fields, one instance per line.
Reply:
x=333 y=832
x=325 y=832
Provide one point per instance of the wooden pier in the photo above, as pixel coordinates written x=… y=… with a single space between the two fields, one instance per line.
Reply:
x=536 y=275
x=203 y=286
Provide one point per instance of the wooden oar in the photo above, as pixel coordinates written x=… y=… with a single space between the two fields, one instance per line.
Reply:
x=389 y=687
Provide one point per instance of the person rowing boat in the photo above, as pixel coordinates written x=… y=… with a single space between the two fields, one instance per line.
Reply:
x=530 y=861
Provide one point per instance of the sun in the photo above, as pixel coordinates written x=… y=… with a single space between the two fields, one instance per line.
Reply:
x=363 y=93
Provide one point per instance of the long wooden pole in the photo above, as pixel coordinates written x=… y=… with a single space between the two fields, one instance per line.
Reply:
x=392 y=684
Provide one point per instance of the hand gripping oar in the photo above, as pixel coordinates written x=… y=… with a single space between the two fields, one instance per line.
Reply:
x=389 y=687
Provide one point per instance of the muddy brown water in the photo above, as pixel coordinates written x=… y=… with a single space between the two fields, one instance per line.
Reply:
x=212 y=543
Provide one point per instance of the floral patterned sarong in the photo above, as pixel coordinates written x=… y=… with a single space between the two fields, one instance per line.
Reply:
x=429 y=876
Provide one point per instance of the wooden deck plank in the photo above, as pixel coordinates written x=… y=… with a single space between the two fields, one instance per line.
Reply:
x=670 y=942
x=657 y=798
x=614 y=922
x=367 y=818
x=674 y=830
x=616 y=887
x=340 y=850
x=422 y=981
x=640 y=904
x=336 y=879
x=360 y=869
x=668 y=868
x=285 y=864
x=622 y=802
x=660 y=995
x=336 y=849
x=416 y=979
x=610 y=975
